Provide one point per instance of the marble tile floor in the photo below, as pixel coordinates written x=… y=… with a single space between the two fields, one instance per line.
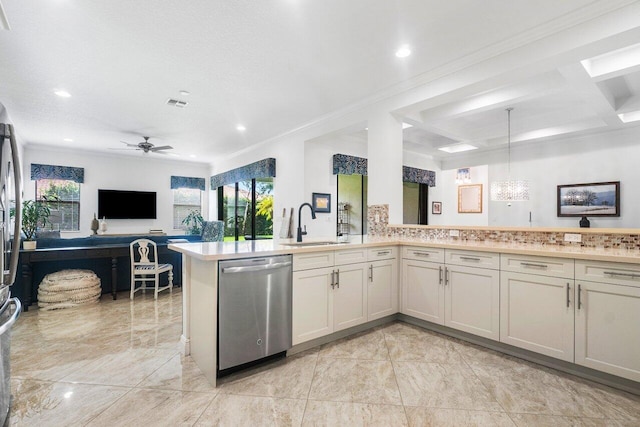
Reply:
x=117 y=363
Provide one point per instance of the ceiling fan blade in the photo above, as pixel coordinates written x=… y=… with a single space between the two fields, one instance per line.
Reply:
x=163 y=147
x=125 y=149
x=129 y=145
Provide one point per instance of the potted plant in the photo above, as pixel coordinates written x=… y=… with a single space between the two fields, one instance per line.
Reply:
x=34 y=214
x=193 y=221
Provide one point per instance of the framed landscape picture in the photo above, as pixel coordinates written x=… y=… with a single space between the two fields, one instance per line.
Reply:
x=595 y=199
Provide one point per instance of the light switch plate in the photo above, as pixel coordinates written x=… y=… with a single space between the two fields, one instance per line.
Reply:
x=573 y=237
x=454 y=233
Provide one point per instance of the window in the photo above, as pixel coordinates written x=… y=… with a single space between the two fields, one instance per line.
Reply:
x=246 y=207
x=62 y=197
x=185 y=200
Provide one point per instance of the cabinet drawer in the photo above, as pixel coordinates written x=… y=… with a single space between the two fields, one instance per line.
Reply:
x=544 y=266
x=384 y=252
x=609 y=272
x=312 y=260
x=472 y=258
x=423 y=254
x=350 y=256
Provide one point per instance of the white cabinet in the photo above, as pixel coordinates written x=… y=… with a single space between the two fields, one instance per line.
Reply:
x=312 y=313
x=329 y=293
x=462 y=295
x=537 y=314
x=472 y=300
x=382 y=293
x=349 y=294
x=472 y=292
x=537 y=304
x=423 y=290
x=607 y=333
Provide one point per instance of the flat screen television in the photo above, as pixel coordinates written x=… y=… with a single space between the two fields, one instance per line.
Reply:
x=117 y=204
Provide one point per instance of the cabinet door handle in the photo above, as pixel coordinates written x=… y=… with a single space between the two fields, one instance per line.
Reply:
x=579 y=297
x=531 y=264
x=333 y=283
x=384 y=252
x=421 y=254
x=627 y=275
x=371 y=272
x=568 y=289
x=338 y=278
x=440 y=275
x=446 y=276
x=468 y=258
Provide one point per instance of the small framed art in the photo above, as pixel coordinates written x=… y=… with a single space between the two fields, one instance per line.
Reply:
x=321 y=202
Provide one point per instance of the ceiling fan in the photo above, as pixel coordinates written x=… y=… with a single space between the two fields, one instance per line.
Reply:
x=146 y=146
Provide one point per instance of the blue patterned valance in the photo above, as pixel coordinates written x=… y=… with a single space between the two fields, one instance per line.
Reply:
x=420 y=176
x=265 y=168
x=187 y=182
x=349 y=165
x=57 y=172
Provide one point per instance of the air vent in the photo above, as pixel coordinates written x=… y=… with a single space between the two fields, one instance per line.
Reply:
x=176 y=103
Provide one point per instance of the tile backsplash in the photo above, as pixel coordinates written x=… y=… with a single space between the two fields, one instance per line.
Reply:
x=378 y=226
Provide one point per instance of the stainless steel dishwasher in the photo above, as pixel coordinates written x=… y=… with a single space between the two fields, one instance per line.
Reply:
x=254 y=309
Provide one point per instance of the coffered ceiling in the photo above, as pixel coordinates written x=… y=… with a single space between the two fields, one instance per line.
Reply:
x=276 y=65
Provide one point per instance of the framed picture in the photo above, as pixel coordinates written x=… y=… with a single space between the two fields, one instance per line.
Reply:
x=436 y=208
x=470 y=198
x=321 y=202
x=595 y=199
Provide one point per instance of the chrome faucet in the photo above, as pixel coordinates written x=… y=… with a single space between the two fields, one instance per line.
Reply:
x=313 y=216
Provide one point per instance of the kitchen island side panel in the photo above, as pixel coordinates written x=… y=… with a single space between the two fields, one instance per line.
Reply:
x=203 y=319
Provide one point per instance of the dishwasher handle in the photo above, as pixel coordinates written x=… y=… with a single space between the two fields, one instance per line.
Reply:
x=250 y=268
x=9 y=323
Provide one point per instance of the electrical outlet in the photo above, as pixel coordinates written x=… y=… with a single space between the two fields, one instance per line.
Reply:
x=454 y=233
x=377 y=218
x=571 y=237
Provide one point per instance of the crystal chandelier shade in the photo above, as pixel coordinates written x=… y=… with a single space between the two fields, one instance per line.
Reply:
x=509 y=190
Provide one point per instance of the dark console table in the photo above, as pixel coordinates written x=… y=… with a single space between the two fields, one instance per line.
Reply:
x=29 y=257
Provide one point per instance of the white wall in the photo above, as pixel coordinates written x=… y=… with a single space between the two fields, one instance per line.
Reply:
x=446 y=191
x=139 y=173
x=611 y=156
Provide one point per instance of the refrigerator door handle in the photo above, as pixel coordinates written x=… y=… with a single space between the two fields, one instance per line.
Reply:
x=9 y=323
x=10 y=278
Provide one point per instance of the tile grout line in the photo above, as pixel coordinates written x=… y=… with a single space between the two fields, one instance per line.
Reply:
x=395 y=376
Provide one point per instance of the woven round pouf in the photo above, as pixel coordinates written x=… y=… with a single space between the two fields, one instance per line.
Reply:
x=68 y=288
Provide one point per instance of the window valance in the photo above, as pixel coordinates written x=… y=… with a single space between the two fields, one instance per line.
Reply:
x=39 y=171
x=265 y=168
x=187 y=182
x=349 y=165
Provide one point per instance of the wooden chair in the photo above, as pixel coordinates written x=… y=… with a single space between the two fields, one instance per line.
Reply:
x=145 y=267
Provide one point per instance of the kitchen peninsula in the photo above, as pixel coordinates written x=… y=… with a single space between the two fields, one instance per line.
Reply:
x=570 y=307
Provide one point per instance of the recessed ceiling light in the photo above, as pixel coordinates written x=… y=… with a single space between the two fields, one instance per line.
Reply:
x=241 y=128
x=193 y=156
x=631 y=116
x=403 y=51
x=62 y=93
x=406 y=125
x=457 y=148
x=68 y=140
x=185 y=93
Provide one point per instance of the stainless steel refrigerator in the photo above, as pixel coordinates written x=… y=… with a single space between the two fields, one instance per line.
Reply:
x=10 y=214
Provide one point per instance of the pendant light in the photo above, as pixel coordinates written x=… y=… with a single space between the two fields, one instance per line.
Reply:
x=509 y=190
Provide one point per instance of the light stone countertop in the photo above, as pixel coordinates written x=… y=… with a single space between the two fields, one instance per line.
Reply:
x=214 y=251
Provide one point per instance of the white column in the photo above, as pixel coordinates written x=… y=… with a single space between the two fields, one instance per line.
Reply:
x=384 y=151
